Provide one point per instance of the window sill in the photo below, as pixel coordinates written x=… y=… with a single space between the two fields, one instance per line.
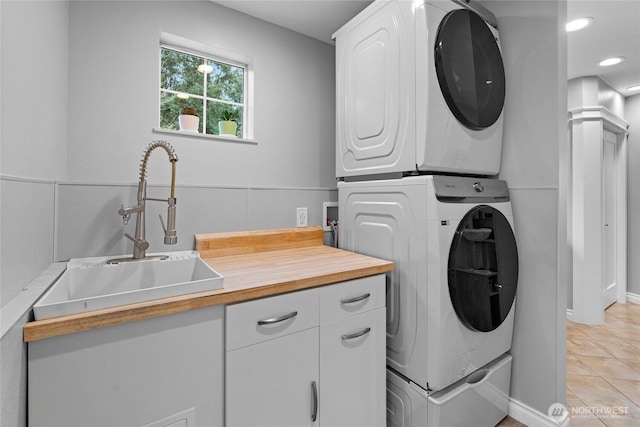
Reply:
x=205 y=136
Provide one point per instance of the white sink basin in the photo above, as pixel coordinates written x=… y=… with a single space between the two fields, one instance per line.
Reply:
x=91 y=284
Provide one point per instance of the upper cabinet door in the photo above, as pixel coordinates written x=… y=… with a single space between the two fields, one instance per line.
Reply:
x=375 y=96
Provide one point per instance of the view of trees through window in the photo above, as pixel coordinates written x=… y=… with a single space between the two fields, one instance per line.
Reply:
x=215 y=89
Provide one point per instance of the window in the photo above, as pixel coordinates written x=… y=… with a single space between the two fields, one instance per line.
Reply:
x=215 y=88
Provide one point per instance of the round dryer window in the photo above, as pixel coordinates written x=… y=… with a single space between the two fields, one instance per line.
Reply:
x=483 y=269
x=470 y=69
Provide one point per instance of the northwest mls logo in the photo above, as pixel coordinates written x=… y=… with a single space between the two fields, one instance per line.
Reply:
x=558 y=412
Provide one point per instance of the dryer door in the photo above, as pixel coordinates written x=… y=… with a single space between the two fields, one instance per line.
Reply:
x=470 y=69
x=483 y=269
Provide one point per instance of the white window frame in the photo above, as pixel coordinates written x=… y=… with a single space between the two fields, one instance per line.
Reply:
x=191 y=47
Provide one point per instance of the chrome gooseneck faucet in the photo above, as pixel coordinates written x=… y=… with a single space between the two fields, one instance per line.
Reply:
x=140 y=245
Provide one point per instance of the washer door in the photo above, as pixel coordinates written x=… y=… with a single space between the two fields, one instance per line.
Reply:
x=470 y=69
x=483 y=269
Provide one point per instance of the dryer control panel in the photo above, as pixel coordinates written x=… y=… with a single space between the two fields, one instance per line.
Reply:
x=461 y=189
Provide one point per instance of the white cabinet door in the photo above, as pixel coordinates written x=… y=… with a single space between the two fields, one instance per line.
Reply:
x=271 y=383
x=352 y=371
x=151 y=372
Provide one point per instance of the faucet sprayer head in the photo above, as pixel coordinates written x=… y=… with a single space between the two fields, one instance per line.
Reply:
x=152 y=146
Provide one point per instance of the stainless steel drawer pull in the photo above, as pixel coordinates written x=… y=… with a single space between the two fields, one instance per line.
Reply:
x=314 y=406
x=277 y=319
x=356 y=334
x=355 y=299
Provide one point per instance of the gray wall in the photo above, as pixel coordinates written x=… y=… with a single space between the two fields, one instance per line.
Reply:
x=67 y=166
x=593 y=91
x=534 y=49
x=632 y=116
x=33 y=83
x=114 y=77
x=91 y=210
x=34 y=122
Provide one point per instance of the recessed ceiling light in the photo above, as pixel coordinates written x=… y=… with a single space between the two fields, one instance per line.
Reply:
x=578 y=24
x=182 y=96
x=611 y=61
x=634 y=88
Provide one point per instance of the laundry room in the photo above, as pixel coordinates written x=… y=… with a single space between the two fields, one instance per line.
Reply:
x=80 y=101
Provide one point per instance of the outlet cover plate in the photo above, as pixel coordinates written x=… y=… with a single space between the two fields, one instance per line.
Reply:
x=301 y=217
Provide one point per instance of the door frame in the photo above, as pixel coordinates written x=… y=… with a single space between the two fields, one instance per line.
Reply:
x=586 y=211
x=609 y=140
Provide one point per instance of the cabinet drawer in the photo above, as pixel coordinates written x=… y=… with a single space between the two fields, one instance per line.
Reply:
x=267 y=318
x=352 y=297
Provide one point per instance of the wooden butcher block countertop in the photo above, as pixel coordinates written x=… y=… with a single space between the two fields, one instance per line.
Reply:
x=254 y=264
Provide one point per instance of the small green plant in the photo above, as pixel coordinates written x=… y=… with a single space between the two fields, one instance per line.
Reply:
x=228 y=116
x=190 y=111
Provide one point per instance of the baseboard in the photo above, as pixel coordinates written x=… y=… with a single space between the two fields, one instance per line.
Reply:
x=532 y=417
x=633 y=298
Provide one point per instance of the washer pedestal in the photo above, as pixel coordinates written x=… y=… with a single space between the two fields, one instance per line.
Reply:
x=480 y=399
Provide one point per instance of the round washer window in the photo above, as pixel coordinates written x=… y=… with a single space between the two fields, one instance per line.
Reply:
x=470 y=69
x=483 y=269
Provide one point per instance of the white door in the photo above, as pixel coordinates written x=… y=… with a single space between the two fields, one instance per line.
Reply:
x=353 y=371
x=274 y=383
x=609 y=289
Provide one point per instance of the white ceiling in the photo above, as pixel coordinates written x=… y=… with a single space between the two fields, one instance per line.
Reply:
x=315 y=18
x=614 y=32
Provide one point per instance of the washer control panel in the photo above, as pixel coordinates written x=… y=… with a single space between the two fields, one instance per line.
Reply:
x=460 y=189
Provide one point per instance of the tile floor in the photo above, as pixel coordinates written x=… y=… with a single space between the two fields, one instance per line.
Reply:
x=603 y=369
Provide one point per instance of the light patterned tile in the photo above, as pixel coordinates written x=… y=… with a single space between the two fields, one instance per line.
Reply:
x=604 y=388
x=622 y=311
x=576 y=367
x=620 y=350
x=574 y=402
x=585 y=348
x=574 y=331
x=570 y=394
x=581 y=415
x=608 y=367
x=600 y=333
x=627 y=334
x=596 y=392
x=589 y=420
x=621 y=416
x=629 y=388
x=613 y=324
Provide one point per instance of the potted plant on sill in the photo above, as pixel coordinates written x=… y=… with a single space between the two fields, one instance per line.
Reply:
x=228 y=123
x=189 y=120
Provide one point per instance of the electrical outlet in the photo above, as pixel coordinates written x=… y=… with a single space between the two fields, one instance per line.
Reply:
x=301 y=217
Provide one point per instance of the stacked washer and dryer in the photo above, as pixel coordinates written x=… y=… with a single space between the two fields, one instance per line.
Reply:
x=420 y=97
